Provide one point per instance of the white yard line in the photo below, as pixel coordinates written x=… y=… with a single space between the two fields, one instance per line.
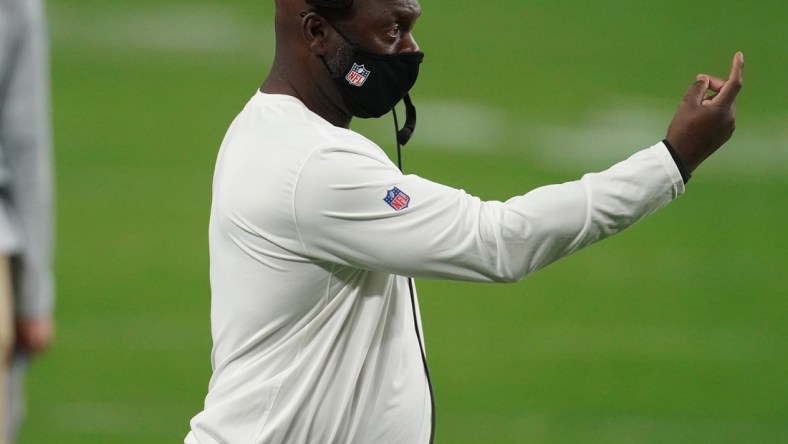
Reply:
x=611 y=134
x=604 y=137
x=202 y=29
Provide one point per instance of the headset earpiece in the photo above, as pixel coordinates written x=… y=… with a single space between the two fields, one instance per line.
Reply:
x=330 y=4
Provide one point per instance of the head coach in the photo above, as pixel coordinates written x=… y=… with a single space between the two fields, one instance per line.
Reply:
x=315 y=235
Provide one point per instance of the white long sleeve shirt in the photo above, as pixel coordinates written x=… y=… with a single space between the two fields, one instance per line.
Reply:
x=312 y=231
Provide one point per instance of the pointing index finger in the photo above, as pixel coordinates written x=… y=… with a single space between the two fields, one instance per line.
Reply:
x=732 y=86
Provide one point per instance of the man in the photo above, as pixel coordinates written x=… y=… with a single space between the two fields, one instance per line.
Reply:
x=26 y=282
x=315 y=235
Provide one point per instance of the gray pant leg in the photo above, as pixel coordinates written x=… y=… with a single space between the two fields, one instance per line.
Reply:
x=15 y=407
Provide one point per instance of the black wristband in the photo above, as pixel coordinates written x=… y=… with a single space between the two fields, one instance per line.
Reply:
x=685 y=174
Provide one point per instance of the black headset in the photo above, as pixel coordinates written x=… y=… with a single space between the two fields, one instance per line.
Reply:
x=330 y=4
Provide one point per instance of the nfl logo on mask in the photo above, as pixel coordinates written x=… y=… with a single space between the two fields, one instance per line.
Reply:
x=357 y=75
x=397 y=199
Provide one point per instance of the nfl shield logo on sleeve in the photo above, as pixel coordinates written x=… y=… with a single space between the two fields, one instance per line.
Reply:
x=357 y=75
x=397 y=199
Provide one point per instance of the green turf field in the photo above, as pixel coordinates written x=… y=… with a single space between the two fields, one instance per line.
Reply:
x=673 y=332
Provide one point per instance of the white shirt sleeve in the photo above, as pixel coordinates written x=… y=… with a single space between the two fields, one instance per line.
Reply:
x=341 y=216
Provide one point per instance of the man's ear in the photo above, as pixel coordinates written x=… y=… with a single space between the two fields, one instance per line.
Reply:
x=313 y=29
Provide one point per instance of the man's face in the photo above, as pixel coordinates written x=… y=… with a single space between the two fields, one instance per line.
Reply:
x=383 y=26
x=371 y=55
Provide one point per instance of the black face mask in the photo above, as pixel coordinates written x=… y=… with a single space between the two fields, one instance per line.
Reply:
x=372 y=84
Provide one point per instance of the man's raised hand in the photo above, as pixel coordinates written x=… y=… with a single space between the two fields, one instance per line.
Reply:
x=706 y=118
